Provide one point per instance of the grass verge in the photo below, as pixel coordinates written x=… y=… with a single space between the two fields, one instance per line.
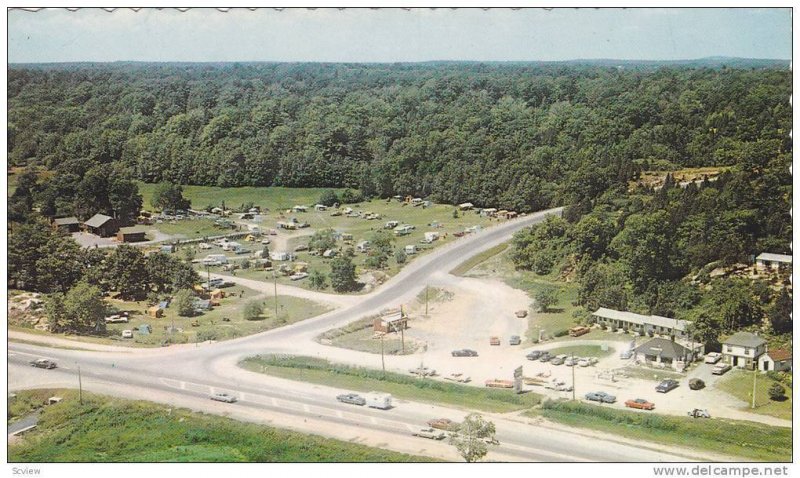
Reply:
x=106 y=429
x=473 y=261
x=740 y=384
x=359 y=335
x=730 y=437
x=309 y=369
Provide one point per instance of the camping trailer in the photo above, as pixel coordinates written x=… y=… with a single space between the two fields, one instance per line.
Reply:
x=379 y=400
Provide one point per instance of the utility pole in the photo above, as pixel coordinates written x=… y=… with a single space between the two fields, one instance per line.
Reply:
x=403 y=338
x=80 y=386
x=208 y=276
x=275 y=280
x=755 y=375
x=383 y=364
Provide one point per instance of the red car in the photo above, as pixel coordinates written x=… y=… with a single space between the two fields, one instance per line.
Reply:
x=640 y=403
x=494 y=340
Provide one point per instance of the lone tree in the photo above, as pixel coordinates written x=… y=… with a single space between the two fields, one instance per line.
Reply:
x=343 y=272
x=546 y=298
x=472 y=436
x=328 y=198
x=777 y=392
x=169 y=196
x=253 y=310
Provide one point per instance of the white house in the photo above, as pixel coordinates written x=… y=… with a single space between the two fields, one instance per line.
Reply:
x=743 y=349
x=768 y=261
x=644 y=324
x=778 y=360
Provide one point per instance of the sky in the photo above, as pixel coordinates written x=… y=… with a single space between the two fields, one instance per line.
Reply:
x=396 y=35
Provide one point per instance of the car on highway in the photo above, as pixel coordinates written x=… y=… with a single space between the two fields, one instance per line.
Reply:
x=223 y=397
x=430 y=433
x=464 y=353
x=712 y=357
x=601 y=397
x=443 y=424
x=514 y=340
x=666 y=385
x=351 y=398
x=534 y=355
x=640 y=403
x=720 y=369
x=494 y=340
x=43 y=363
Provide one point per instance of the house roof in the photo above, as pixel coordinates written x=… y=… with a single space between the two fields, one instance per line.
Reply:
x=97 y=220
x=664 y=348
x=66 y=221
x=745 y=339
x=778 y=355
x=655 y=320
x=768 y=256
x=132 y=230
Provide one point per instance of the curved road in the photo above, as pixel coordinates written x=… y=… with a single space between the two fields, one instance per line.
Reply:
x=185 y=375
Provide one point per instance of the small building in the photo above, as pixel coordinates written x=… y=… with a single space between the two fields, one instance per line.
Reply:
x=101 y=225
x=743 y=349
x=768 y=261
x=155 y=312
x=391 y=320
x=643 y=324
x=466 y=206
x=67 y=224
x=131 y=234
x=778 y=360
x=664 y=351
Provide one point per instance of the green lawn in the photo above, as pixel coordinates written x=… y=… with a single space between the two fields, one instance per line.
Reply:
x=753 y=441
x=106 y=429
x=740 y=384
x=266 y=197
x=409 y=387
x=359 y=336
x=189 y=228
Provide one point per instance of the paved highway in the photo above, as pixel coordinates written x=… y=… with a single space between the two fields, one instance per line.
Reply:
x=186 y=375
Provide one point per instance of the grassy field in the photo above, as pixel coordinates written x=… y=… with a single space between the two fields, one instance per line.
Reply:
x=309 y=369
x=106 y=429
x=582 y=351
x=740 y=384
x=359 y=336
x=730 y=437
x=210 y=324
x=265 y=197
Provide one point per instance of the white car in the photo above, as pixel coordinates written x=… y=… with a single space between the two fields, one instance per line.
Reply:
x=298 y=276
x=127 y=334
x=431 y=433
x=712 y=357
x=223 y=397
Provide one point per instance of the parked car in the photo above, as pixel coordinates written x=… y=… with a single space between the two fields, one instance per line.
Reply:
x=720 y=368
x=601 y=397
x=558 y=385
x=696 y=384
x=457 y=377
x=699 y=413
x=127 y=334
x=545 y=357
x=43 y=363
x=298 y=276
x=351 y=398
x=514 y=340
x=223 y=397
x=430 y=433
x=584 y=362
x=667 y=385
x=534 y=355
x=712 y=357
x=422 y=371
x=494 y=340
x=571 y=361
x=464 y=353
x=558 y=359
x=640 y=403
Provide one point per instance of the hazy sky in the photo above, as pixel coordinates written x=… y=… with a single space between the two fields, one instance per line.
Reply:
x=389 y=35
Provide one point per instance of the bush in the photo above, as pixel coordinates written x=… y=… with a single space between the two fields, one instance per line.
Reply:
x=561 y=333
x=777 y=392
x=400 y=256
x=184 y=303
x=204 y=335
x=253 y=310
x=329 y=198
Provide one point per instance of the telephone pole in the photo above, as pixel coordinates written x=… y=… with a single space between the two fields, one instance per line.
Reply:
x=755 y=375
x=275 y=280
x=383 y=364
x=573 y=375
x=80 y=386
x=426 y=300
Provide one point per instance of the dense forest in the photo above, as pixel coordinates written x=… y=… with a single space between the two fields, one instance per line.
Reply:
x=515 y=136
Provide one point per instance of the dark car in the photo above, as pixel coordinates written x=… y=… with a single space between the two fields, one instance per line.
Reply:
x=666 y=385
x=464 y=353
x=545 y=357
x=352 y=398
x=43 y=363
x=696 y=384
x=534 y=355
x=601 y=397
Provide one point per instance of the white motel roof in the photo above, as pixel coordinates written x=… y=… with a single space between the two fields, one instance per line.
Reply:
x=633 y=318
x=768 y=256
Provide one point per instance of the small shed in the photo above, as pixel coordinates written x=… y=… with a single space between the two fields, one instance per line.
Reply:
x=101 y=225
x=67 y=224
x=768 y=261
x=391 y=320
x=155 y=312
x=778 y=360
x=131 y=234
